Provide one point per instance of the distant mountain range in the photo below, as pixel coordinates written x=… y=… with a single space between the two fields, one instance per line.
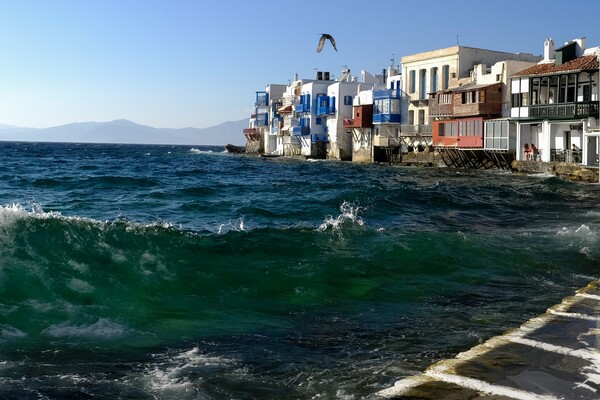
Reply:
x=124 y=131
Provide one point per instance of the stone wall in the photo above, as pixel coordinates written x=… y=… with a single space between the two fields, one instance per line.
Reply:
x=573 y=172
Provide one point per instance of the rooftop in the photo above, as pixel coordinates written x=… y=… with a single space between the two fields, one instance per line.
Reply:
x=583 y=63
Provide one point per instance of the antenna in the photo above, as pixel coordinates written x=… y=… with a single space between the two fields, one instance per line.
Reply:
x=457 y=39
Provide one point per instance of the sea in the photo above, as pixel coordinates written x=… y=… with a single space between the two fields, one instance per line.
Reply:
x=186 y=272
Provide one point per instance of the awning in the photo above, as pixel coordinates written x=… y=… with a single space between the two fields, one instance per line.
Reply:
x=285 y=109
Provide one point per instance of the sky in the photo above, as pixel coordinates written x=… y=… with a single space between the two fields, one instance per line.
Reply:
x=196 y=63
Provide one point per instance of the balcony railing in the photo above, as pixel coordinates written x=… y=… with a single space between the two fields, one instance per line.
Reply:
x=387 y=94
x=568 y=156
x=387 y=118
x=408 y=130
x=302 y=107
x=262 y=99
x=262 y=119
x=319 y=138
x=301 y=130
x=564 y=110
x=441 y=110
x=325 y=110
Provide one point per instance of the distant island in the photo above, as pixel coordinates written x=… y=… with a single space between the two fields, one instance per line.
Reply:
x=127 y=132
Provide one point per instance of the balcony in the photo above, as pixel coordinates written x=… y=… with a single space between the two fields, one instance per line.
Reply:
x=568 y=156
x=262 y=99
x=387 y=94
x=301 y=130
x=478 y=109
x=325 y=110
x=251 y=134
x=387 y=118
x=325 y=105
x=319 y=138
x=304 y=104
x=441 y=110
x=262 y=119
x=300 y=108
x=564 y=110
x=413 y=130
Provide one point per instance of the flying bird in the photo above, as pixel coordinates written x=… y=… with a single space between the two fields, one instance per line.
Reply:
x=325 y=36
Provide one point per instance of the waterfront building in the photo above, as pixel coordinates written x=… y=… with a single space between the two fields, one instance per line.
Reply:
x=264 y=124
x=312 y=114
x=389 y=113
x=341 y=95
x=360 y=126
x=441 y=71
x=555 y=105
x=377 y=118
x=470 y=123
x=308 y=129
x=289 y=144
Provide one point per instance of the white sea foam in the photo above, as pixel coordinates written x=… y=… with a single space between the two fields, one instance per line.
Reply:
x=349 y=214
x=198 y=151
x=543 y=175
x=101 y=329
x=237 y=226
x=584 y=238
x=9 y=214
x=171 y=377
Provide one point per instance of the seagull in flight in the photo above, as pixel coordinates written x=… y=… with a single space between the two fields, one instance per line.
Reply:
x=325 y=36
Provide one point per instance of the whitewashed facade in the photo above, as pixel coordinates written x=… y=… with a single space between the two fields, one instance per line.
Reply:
x=555 y=104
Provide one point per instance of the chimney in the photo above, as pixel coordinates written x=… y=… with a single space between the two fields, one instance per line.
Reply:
x=580 y=46
x=548 y=51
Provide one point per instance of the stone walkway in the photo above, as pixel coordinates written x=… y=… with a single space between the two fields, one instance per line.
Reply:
x=550 y=357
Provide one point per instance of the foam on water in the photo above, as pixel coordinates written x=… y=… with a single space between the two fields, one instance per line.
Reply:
x=103 y=329
x=171 y=374
x=349 y=215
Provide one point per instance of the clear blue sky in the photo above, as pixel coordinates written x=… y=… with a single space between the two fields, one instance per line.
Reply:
x=196 y=63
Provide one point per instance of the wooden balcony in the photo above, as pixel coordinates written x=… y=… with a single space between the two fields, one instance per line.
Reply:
x=441 y=110
x=564 y=110
x=363 y=117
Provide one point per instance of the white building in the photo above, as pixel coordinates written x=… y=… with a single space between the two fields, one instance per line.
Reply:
x=443 y=69
x=555 y=105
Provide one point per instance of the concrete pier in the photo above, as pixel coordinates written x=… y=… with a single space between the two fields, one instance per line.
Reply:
x=553 y=356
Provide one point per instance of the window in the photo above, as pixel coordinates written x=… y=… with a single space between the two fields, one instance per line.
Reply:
x=524 y=99
x=441 y=129
x=516 y=100
x=422 y=117
x=347 y=100
x=448 y=129
x=318 y=121
x=470 y=97
x=412 y=81
x=434 y=79
x=445 y=98
x=411 y=117
x=563 y=89
x=423 y=84
x=586 y=93
x=445 y=77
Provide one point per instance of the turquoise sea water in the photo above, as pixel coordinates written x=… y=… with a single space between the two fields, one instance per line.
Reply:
x=163 y=272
